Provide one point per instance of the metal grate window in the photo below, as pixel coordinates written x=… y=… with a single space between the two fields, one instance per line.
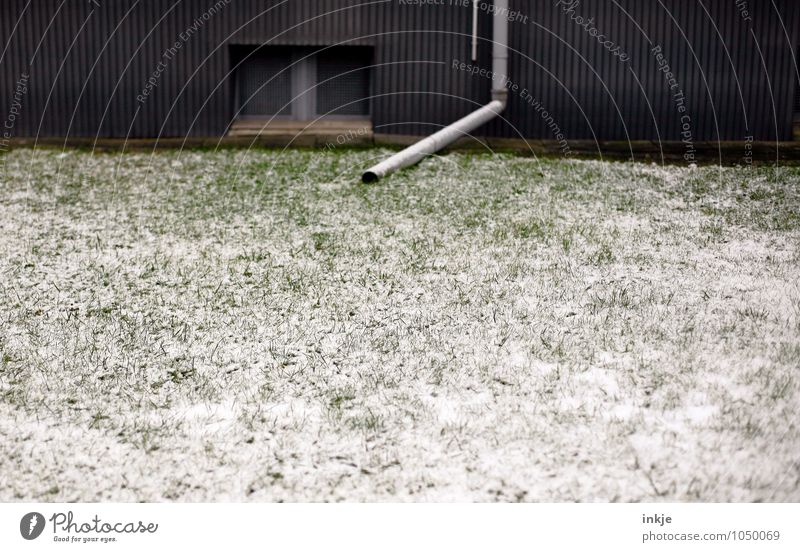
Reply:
x=265 y=84
x=343 y=82
x=303 y=83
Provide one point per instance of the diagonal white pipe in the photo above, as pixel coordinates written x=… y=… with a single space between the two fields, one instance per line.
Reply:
x=430 y=145
x=463 y=127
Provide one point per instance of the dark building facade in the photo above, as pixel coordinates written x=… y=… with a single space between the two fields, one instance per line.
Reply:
x=669 y=70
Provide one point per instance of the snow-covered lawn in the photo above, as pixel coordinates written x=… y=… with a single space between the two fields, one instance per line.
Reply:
x=257 y=325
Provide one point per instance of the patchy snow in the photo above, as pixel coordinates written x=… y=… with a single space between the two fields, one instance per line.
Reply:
x=254 y=325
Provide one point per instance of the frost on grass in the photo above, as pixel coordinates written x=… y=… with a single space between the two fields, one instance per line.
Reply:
x=256 y=326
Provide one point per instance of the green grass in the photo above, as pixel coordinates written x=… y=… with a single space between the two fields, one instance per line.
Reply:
x=258 y=325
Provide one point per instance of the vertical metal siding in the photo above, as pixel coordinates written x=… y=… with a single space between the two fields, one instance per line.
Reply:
x=589 y=92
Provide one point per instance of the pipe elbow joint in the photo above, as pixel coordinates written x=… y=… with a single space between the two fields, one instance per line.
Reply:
x=500 y=95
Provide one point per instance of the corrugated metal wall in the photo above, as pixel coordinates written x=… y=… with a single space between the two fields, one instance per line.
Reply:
x=88 y=61
x=738 y=76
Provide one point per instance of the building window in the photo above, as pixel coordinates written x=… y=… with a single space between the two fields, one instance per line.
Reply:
x=264 y=85
x=343 y=77
x=303 y=83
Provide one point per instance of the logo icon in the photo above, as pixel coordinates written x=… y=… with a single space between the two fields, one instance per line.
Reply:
x=31 y=525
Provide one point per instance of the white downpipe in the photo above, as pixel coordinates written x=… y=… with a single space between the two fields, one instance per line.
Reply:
x=500 y=51
x=463 y=127
x=474 y=30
